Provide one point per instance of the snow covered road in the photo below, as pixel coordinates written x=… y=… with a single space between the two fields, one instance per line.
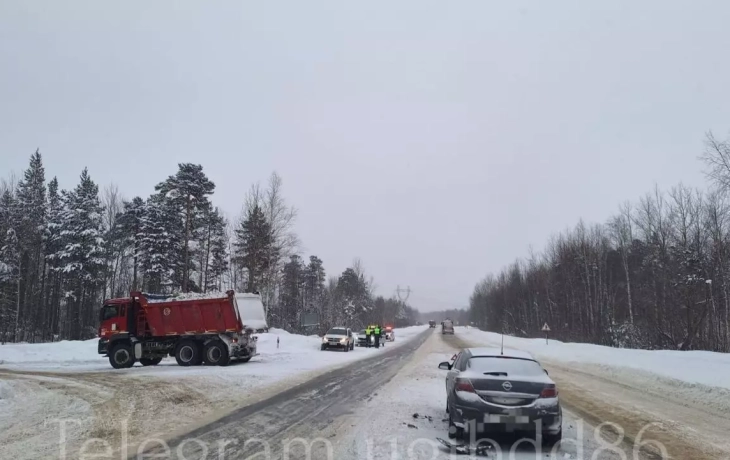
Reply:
x=41 y=384
x=679 y=399
x=387 y=403
x=405 y=418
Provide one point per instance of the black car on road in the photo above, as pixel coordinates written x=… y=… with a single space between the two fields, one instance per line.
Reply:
x=496 y=391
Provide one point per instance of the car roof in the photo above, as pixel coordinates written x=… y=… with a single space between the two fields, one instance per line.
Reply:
x=506 y=353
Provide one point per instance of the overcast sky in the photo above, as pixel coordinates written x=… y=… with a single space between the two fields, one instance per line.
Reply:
x=435 y=140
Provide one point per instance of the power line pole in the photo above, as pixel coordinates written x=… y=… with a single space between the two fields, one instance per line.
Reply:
x=407 y=292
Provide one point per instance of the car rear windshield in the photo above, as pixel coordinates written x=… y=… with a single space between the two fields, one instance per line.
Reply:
x=337 y=331
x=504 y=366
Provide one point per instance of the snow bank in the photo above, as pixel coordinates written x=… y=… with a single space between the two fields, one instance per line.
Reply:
x=692 y=367
x=295 y=353
x=55 y=352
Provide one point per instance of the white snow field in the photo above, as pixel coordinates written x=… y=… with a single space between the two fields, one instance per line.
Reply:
x=693 y=367
x=42 y=383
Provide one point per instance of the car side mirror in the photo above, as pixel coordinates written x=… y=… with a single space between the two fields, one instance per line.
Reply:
x=445 y=366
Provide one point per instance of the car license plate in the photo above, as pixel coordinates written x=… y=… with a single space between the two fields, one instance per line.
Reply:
x=502 y=419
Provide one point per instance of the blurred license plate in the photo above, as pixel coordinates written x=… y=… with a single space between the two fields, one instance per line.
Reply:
x=495 y=418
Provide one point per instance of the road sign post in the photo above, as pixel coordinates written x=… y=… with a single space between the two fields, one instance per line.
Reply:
x=546 y=330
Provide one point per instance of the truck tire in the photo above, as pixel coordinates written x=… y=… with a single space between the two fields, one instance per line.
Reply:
x=347 y=348
x=150 y=361
x=216 y=354
x=122 y=356
x=188 y=353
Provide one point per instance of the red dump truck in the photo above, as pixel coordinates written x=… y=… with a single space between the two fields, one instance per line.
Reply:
x=195 y=329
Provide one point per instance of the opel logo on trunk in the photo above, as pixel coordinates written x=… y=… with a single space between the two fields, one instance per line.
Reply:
x=507 y=386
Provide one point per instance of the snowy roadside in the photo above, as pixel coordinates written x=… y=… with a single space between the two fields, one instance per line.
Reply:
x=692 y=367
x=681 y=398
x=40 y=383
x=406 y=417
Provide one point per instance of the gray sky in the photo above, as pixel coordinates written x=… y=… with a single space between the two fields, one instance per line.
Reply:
x=434 y=140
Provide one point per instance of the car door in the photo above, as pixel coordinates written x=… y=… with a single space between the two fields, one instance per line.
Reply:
x=452 y=373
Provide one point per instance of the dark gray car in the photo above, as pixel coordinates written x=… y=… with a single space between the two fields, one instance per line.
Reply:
x=494 y=391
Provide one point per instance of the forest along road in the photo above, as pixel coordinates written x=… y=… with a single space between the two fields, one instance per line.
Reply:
x=319 y=408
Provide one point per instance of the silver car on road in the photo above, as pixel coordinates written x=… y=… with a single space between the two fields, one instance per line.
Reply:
x=489 y=391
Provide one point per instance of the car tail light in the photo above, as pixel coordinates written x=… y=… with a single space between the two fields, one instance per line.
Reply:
x=464 y=385
x=549 y=392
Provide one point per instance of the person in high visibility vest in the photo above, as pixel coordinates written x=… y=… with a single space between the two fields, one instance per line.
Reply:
x=368 y=333
x=377 y=336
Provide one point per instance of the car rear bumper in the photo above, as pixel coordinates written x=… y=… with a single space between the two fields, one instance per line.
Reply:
x=507 y=420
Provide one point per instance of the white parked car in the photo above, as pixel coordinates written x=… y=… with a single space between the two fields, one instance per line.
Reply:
x=339 y=337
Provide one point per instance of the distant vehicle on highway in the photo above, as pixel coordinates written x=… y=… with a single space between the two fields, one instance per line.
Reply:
x=432 y=324
x=339 y=338
x=496 y=391
x=389 y=334
x=447 y=327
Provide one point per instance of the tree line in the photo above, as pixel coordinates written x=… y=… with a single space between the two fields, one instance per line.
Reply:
x=62 y=252
x=655 y=275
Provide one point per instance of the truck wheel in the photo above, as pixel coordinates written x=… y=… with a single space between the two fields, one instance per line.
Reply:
x=323 y=347
x=188 y=353
x=122 y=356
x=150 y=361
x=216 y=354
x=347 y=348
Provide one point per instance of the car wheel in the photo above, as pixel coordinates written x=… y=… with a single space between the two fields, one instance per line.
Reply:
x=216 y=353
x=454 y=431
x=188 y=353
x=550 y=440
x=122 y=356
x=323 y=347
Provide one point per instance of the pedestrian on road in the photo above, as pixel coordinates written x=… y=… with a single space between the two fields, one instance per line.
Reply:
x=377 y=336
x=368 y=333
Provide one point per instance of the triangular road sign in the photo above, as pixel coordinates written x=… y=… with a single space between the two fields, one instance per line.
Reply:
x=546 y=328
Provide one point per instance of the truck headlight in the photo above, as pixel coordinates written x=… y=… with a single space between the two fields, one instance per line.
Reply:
x=324 y=339
x=343 y=340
